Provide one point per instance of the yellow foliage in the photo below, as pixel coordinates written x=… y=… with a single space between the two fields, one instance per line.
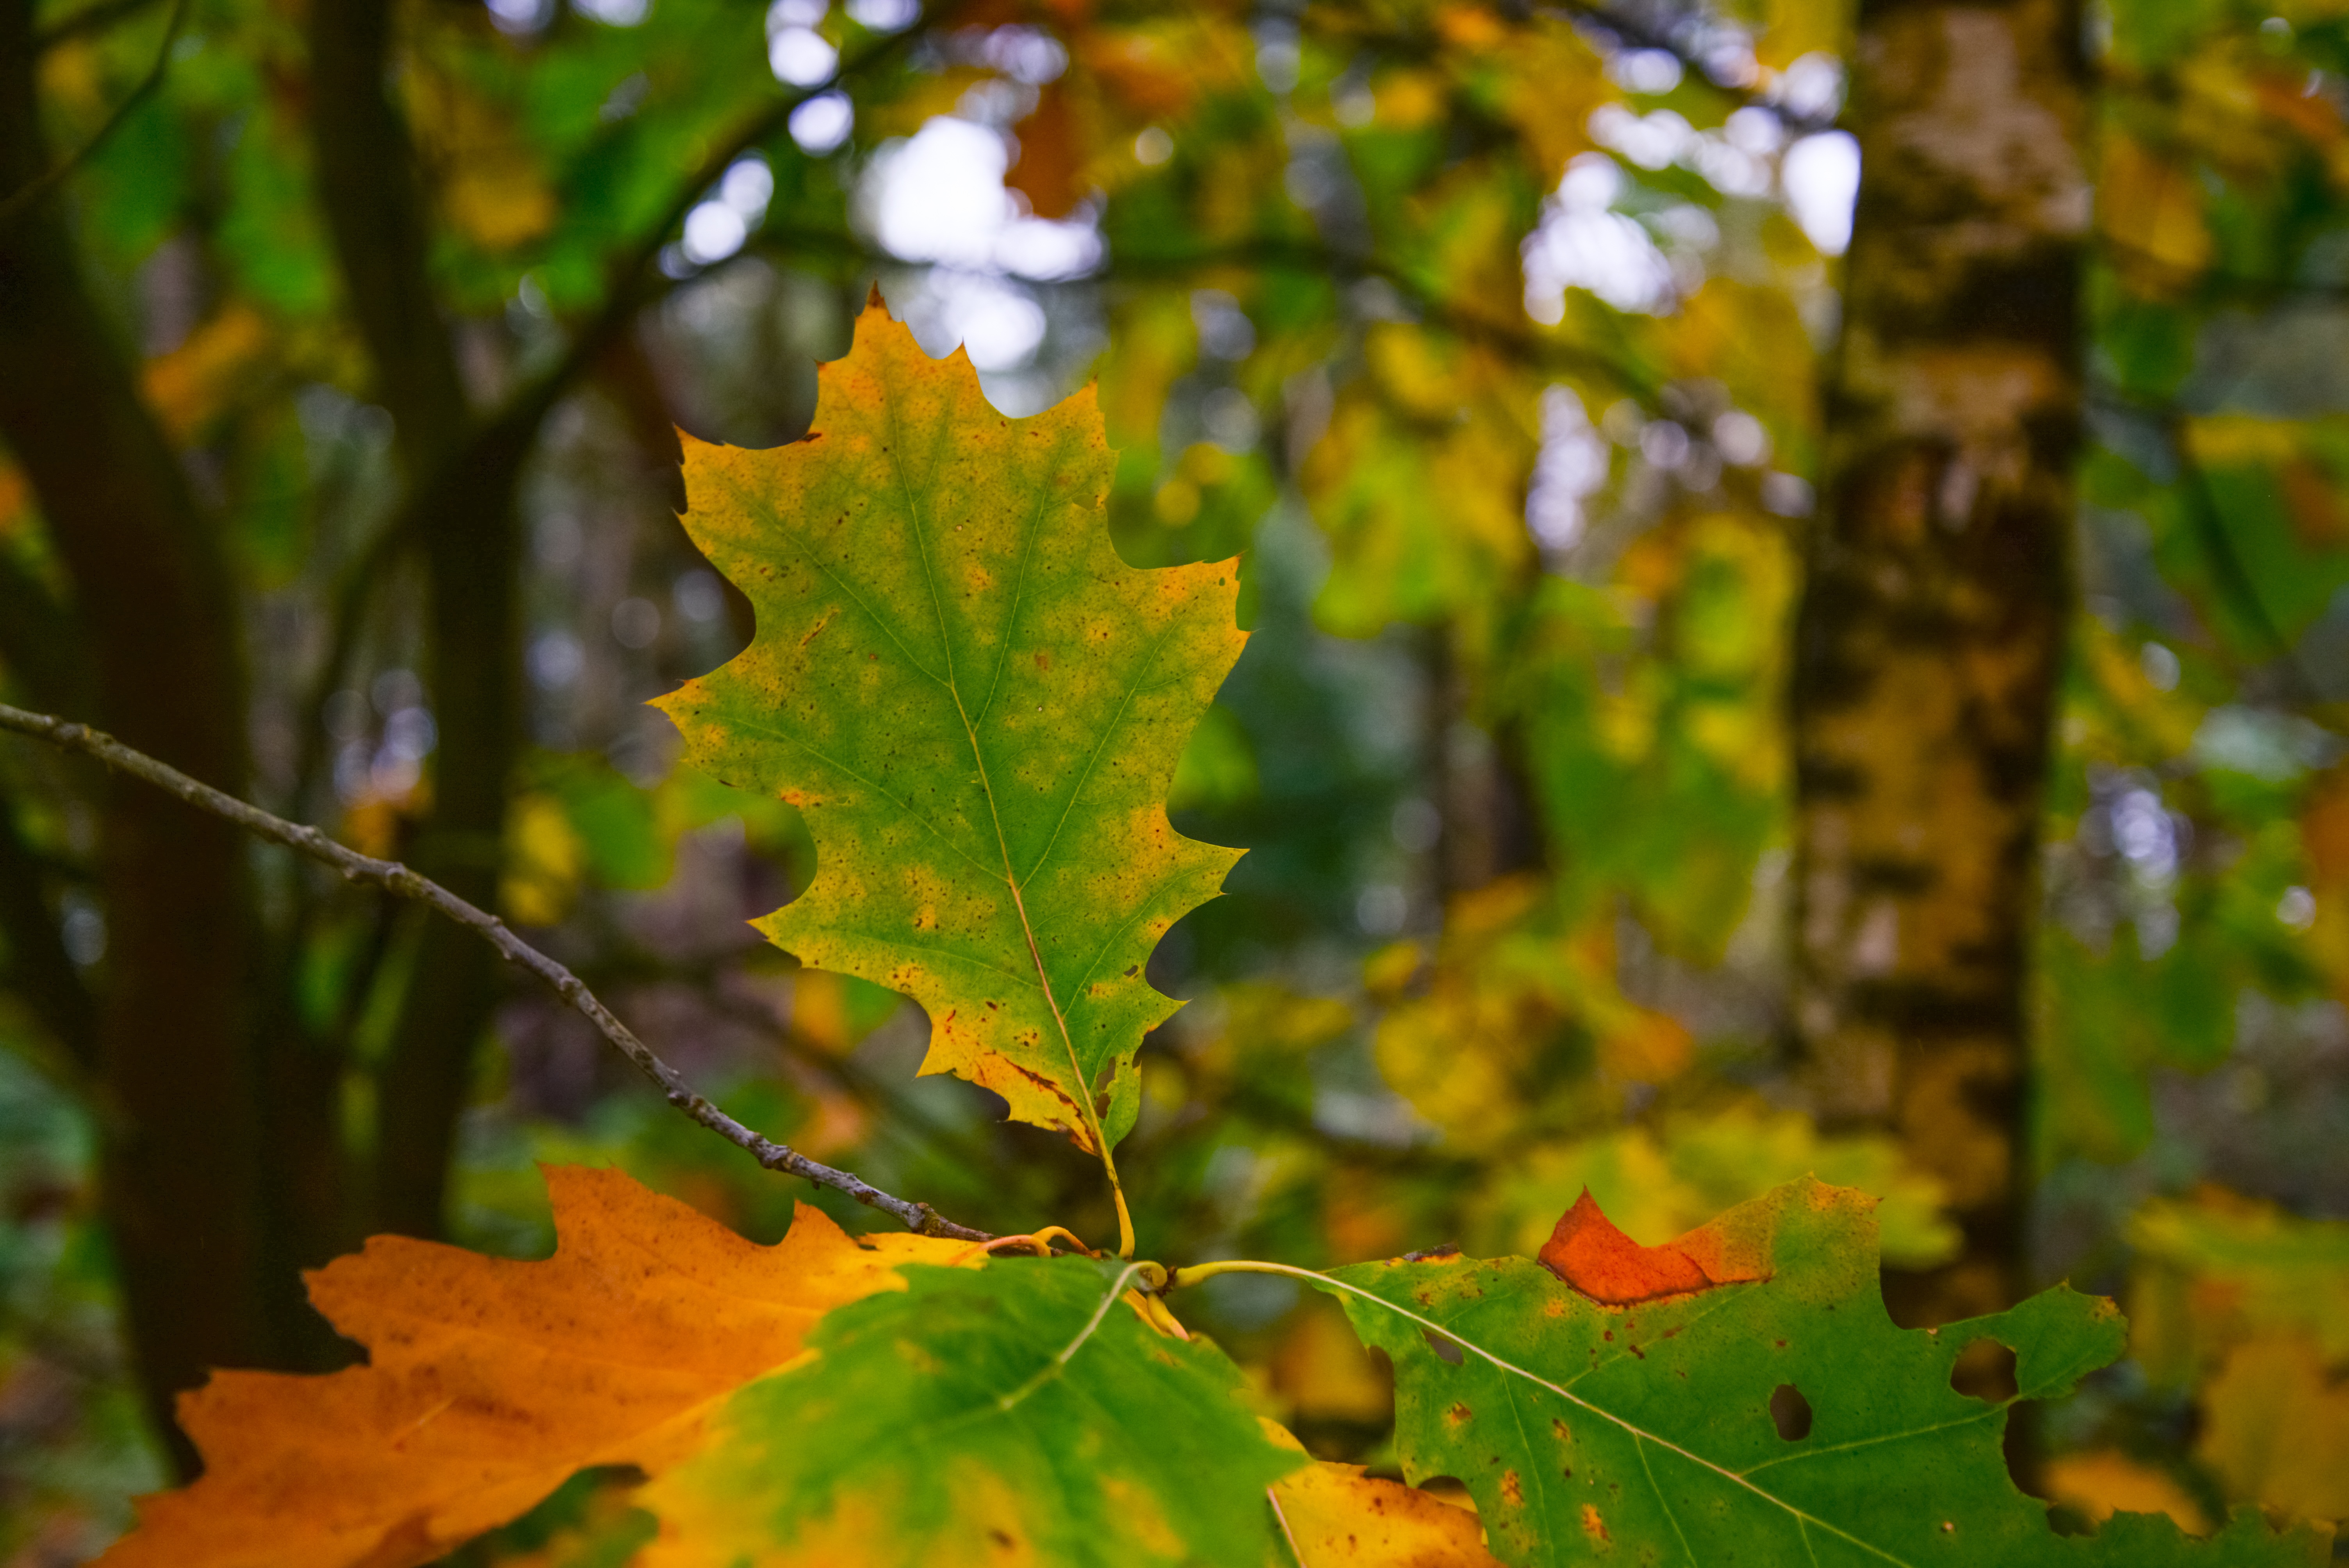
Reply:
x=926 y=96
x=71 y=75
x=1156 y=342
x=2217 y=1269
x=819 y=1010
x=1420 y=483
x=2247 y=117
x=2104 y=1482
x=1745 y=334
x=1261 y=1021
x=2152 y=209
x=1792 y=28
x=2160 y=723
x=1551 y=80
x=2276 y=1427
x=1514 y=989
x=1386 y=972
x=1158 y=69
x=2225 y=439
x=492 y=186
x=545 y=862
x=1410 y=98
x=1321 y=1370
x=1659 y=1183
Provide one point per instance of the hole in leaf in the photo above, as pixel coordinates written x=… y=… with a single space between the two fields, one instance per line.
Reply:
x=1985 y=1370
x=1442 y=1346
x=568 y=1507
x=1451 y=1488
x=1790 y=1412
x=2068 y=1519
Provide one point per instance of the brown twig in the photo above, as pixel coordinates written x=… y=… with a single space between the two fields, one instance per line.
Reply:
x=395 y=878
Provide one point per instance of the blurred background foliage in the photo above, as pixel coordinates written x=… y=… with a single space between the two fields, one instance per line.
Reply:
x=1492 y=336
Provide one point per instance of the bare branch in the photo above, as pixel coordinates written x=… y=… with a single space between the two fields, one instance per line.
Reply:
x=395 y=878
x=1554 y=354
x=1681 y=33
x=28 y=196
x=2228 y=574
x=634 y=280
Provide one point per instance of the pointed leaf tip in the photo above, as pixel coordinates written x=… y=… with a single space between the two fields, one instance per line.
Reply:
x=1589 y=1252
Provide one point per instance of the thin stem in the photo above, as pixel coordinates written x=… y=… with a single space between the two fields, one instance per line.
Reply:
x=1192 y=1274
x=395 y=878
x=25 y=199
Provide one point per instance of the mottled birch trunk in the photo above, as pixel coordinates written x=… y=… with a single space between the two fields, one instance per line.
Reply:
x=1932 y=632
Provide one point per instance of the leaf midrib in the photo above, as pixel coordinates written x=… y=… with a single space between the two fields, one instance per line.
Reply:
x=1079 y=1090
x=1633 y=1429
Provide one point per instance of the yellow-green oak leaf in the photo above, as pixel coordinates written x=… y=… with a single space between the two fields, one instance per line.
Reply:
x=978 y=708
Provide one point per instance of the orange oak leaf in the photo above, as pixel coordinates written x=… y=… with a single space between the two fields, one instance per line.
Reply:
x=1589 y=1254
x=491 y=1381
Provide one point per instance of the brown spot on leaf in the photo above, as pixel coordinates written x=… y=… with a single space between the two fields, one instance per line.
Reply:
x=1592 y=1525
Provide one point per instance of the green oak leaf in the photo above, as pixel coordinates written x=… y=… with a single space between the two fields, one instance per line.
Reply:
x=1022 y=1413
x=1644 y=1432
x=978 y=705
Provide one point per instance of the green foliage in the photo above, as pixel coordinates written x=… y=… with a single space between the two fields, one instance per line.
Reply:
x=1025 y=1404
x=1322 y=352
x=1664 y=1427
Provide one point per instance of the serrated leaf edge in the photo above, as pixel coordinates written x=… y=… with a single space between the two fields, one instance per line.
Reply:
x=1639 y=1435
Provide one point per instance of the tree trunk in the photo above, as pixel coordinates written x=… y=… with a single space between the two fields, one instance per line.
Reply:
x=175 y=1083
x=461 y=480
x=1932 y=632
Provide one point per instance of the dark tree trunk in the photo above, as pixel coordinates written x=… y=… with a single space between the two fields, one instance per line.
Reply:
x=175 y=1085
x=1931 y=634
x=460 y=506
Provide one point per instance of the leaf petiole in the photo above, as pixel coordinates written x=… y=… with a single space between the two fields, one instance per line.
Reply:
x=1040 y=1241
